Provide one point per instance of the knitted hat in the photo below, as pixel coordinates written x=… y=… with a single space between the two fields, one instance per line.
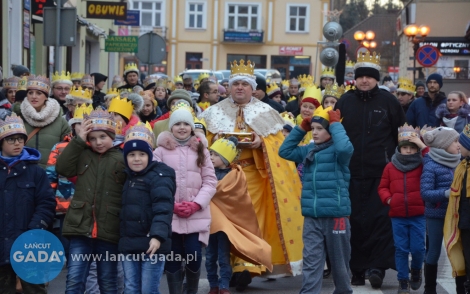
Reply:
x=182 y=114
x=367 y=65
x=139 y=137
x=221 y=89
x=435 y=76
x=200 y=124
x=226 y=149
x=179 y=94
x=420 y=84
x=287 y=127
x=464 y=138
x=19 y=70
x=367 y=71
x=440 y=137
x=261 y=83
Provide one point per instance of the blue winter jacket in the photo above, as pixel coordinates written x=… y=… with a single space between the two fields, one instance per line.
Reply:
x=422 y=111
x=27 y=200
x=435 y=180
x=325 y=191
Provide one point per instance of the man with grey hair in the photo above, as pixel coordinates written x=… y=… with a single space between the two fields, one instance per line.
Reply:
x=188 y=83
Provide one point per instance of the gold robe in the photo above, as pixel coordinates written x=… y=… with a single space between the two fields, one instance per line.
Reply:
x=273 y=183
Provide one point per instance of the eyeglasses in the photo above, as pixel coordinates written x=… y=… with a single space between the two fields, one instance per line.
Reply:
x=11 y=141
x=62 y=89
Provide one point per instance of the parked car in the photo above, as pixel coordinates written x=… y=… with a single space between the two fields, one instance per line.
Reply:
x=271 y=75
x=225 y=72
x=194 y=73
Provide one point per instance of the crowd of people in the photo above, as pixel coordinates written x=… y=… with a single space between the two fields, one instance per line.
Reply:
x=272 y=179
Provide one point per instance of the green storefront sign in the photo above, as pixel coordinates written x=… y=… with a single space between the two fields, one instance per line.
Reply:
x=121 y=44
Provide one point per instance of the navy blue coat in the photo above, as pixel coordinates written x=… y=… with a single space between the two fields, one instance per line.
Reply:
x=422 y=111
x=27 y=199
x=147 y=208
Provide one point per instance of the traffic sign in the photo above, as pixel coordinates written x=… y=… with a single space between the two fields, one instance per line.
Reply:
x=427 y=55
x=152 y=48
x=362 y=50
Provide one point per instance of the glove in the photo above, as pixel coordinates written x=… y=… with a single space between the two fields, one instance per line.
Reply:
x=306 y=124
x=191 y=208
x=447 y=193
x=335 y=116
x=181 y=210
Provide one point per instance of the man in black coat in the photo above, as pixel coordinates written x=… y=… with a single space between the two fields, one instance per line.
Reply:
x=371 y=117
x=260 y=94
x=98 y=96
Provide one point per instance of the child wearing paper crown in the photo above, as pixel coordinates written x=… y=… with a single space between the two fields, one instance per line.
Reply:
x=27 y=198
x=147 y=210
x=92 y=220
x=325 y=202
x=438 y=172
x=399 y=188
x=457 y=219
x=186 y=152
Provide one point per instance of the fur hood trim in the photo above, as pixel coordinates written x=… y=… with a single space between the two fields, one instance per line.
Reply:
x=132 y=122
x=43 y=118
x=167 y=141
x=442 y=111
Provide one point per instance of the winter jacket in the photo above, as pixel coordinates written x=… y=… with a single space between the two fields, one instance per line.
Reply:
x=462 y=116
x=435 y=180
x=27 y=200
x=193 y=183
x=403 y=188
x=278 y=107
x=53 y=126
x=293 y=107
x=422 y=110
x=147 y=208
x=5 y=108
x=371 y=120
x=96 y=204
x=326 y=180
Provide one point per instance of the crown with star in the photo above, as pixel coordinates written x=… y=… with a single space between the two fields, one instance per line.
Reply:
x=141 y=132
x=334 y=90
x=12 y=125
x=63 y=77
x=368 y=60
x=242 y=69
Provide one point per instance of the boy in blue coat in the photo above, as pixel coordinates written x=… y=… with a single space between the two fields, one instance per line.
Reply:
x=325 y=197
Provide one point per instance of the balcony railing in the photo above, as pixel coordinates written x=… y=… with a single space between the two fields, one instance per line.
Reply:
x=238 y=36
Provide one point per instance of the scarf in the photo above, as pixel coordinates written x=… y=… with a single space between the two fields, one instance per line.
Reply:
x=316 y=148
x=450 y=120
x=406 y=163
x=182 y=142
x=45 y=117
x=445 y=158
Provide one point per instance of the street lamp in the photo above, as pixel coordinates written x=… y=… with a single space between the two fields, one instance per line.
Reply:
x=416 y=34
x=365 y=39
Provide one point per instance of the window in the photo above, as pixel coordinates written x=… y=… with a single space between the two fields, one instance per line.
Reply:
x=297 y=18
x=195 y=12
x=151 y=12
x=243 y=17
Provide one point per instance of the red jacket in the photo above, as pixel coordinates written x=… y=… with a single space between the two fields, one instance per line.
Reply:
x=404 y=202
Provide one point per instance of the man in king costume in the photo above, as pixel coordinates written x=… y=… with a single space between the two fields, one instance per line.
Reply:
x=273 y=183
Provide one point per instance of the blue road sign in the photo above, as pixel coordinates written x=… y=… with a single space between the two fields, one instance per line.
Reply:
x=427 y=55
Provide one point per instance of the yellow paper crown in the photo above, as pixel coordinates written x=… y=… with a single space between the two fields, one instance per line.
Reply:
x=131 y=67
x=406 y=131
x=305 y=81
x=202 y=76
x=80 y=112
x=178 y=80
x=81 y=95
x=141 y=132
x=285 y=83
x=288 y=119
x=406 y=85
x=182 y=105
x=225 y=148
x=161 y=83
x=61 y=78
x=321 y=112
x=112 y=91
x=76 y=76
x=200 y=124
x=349 y=88
x=101 y=120
x=368 y=60
x=272 y=88
x=122 y=106
x=314 y=92
x=242 y=69
x=328 y=72
x=11 y=83
x=350 y=63
x=334 y=90
x=12 y=125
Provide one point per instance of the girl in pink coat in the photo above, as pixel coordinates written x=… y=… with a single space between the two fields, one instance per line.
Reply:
x=196 y=184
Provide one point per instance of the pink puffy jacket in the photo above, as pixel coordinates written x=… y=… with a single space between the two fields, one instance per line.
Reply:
x=193 y=183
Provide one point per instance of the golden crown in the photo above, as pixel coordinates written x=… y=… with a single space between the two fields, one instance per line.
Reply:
x=63 y=77
x=12 y=125
x=39 y=82
x=225 y=148
x=76 y=76
x=22 y=84
x=305 y=81
x=322 y=112
x=81 y=95
x=406 y=131
x=141 y=132
x=161 y=83
x=182 y=105
x=112 y=91
x=178 y=79
x=334 y=90
x=242 y=69
x=349 y=88
x=272 y=88
x=11 y=82
x=149 y=80
x=350 y=63
x=288 y=119
x=80 y=112
x=202 y=76
x=131 y=67
x=368 y=60
x=406 y=85
x=328 y=72
x=101 y=120
x=87 y=80
x=122 y=106
x=170 y=85
x=285 y=83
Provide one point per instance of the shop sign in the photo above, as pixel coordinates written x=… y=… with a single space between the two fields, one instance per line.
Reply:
x=449 y=48
x=291 y=50
x=26 y=26
x=121 y=44
x=133 y=19
x=106 y=10
x=243 y=37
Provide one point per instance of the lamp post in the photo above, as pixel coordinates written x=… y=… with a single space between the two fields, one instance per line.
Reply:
x=416 y=34
x=365 y=39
